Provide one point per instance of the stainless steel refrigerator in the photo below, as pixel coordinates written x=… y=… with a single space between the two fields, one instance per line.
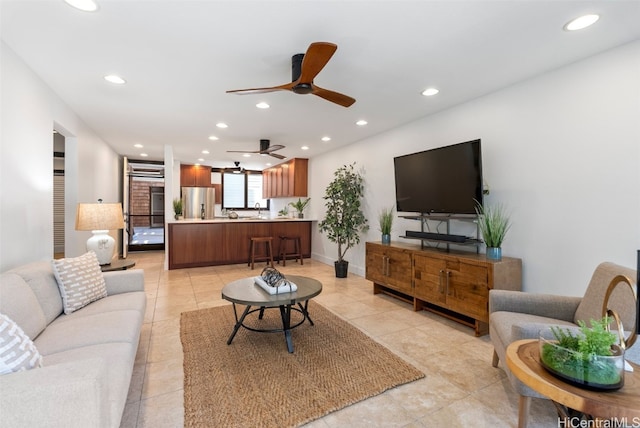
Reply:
x=195 y=199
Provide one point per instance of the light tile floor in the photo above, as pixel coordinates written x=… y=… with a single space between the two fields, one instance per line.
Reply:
x=461 y=388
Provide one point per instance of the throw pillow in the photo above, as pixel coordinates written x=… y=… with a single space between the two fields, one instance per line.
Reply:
x=80 y=281
x=17 y=351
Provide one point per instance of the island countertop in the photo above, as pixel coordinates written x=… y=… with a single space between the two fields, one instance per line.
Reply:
x=241 y=220
x=223 y=241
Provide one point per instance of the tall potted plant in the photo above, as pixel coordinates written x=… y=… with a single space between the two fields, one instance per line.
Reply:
x=494 y=223
x=344 y=220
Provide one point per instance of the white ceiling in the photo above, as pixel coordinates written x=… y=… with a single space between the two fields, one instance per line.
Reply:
x=179 y=58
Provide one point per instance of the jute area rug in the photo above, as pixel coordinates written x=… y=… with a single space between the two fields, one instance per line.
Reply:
x=255 y=382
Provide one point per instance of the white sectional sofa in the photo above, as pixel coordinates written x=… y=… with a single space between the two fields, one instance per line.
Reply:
x=87 y=355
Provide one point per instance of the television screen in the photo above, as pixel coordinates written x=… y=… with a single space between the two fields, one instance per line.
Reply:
x=442 y=180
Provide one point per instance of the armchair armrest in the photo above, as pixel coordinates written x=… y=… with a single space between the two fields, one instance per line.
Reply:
x=544 y=305
x=124 y=281
x=70 y=394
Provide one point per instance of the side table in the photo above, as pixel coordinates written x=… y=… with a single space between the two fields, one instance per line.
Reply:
x=120 y=264
x=523 y=359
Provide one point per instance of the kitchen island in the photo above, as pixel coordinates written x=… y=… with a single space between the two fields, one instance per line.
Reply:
x=223 y=241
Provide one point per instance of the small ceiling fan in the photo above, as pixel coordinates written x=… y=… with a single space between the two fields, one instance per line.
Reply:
x=304 y=68
x=265 y=149
x=237 y=169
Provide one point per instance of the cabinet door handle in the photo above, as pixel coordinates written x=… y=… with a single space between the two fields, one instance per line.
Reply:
x=447 y=276
x=440 y=284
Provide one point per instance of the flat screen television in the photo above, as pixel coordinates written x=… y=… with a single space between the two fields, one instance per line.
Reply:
x=445 y=180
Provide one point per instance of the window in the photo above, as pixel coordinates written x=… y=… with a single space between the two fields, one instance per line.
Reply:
x=243 y=191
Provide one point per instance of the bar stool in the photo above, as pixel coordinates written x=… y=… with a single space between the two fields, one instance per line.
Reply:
x=297 y=253
x=255 y=240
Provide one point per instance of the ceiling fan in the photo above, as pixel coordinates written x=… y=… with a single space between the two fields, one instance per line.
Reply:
x=265 y=149
x=304 y=68
x=237 y=169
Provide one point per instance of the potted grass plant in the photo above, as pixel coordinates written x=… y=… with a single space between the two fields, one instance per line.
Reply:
x=385 y=222
x=177 y=208
x=344 y=219
x=494 y=224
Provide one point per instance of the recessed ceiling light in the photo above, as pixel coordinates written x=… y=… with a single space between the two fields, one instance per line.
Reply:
x=222 y=125
x=83 y=5
x=144 y=155
x=325 y=139
x=361 y=122
x=112 y=78
x=201 y=160
x=429 y=92
x=246 y=155
x=268 y=164
x=262 y=105
x=205 y=152
x=581 y=22
x=138 y=146
x=213 y=138
x=305 y=147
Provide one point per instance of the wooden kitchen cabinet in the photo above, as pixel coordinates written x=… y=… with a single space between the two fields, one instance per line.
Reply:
x=288 y=179
x=195 y=176
x=453 y=284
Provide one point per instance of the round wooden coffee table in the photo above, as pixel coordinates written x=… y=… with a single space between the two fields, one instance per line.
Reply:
x=523 y=359
x=246 y=292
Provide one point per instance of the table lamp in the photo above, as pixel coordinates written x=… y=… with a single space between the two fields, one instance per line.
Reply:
x=100 y=219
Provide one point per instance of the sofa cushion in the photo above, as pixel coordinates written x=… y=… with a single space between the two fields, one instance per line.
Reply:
x=69 y=332
x=622 y=299
x=80 y=280
x=119 y=358
x=511 y=326
x=39 y=276
x=20 y=304
x=17 y=351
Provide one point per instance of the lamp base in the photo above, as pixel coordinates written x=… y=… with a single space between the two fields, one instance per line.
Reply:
x=102 y=244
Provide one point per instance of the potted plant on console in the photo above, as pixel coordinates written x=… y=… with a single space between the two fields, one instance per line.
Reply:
x=385 y=220
x=493 y=223
x=299 y=206
x=344 y=220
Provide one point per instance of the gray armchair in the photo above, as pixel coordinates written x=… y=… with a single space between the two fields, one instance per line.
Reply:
x=515 y=315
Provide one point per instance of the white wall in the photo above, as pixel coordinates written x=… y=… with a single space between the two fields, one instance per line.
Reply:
x=562 y=151
x=30 y=112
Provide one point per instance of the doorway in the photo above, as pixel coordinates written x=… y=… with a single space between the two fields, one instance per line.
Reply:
x=58 y=195
x=145 y=219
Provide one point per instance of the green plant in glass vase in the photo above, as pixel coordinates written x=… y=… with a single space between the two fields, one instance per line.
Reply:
x=589 y=357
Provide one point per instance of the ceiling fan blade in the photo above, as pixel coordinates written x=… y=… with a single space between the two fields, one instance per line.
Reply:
x=316 y=57
x=241 y=151
x=273 y=148
x=285 y=87
x=334 y=97
x=276 y=155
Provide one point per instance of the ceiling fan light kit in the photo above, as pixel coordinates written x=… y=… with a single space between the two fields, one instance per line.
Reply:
x=304 y=68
